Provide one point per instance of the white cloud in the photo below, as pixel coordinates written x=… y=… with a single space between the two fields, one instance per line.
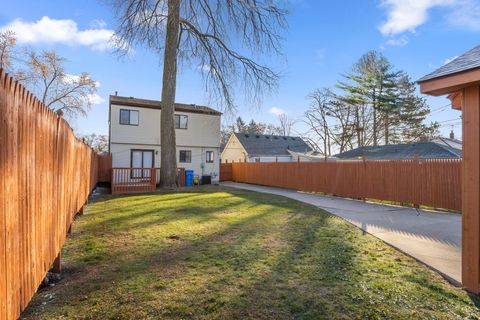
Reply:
x=64 y=31
x=397 y=42
x=204 y=68
x=448 y=60
x=98 y=24
x=95 y=98
x=407 y=15
x=276 y=111
x=70 y=78
x=466 y=14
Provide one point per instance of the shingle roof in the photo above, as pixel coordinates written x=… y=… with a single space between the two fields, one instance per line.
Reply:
x=155 y=104
x=271 y=145
x=467 y=61
x=425 y=150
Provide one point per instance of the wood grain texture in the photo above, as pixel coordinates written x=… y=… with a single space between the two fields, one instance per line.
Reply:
x=434 y=183
x=46 y=175
x=471 y=189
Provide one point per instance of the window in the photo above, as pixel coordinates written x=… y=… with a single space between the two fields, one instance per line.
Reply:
x=181 y=121
x=129 y=117
x=141 y=159
x=185 y=156
x=209 y=156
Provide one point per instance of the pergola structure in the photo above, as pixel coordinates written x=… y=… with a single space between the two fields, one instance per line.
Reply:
x=460 y=80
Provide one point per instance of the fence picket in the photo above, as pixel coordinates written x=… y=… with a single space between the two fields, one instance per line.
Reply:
x=434 y=183
x=46 y=175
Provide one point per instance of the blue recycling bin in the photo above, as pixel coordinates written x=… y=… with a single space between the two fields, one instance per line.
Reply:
x=189 y=178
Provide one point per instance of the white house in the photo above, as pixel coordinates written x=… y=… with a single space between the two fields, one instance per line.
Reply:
x=244 y=147
x=134 y=137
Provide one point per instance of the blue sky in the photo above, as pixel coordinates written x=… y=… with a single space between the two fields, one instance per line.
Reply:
x=324 y=39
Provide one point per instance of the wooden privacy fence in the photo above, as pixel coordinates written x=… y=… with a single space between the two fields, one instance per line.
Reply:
x=46 y=175
x=435 y=183
x=226 y=172
x=104 y=168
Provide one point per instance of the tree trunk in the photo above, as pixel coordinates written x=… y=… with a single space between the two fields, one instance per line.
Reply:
x=387 y=125
x=375 y=126
x=168 y=171
x=357 y=124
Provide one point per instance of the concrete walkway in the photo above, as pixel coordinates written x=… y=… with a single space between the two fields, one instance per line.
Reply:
x=433 y=238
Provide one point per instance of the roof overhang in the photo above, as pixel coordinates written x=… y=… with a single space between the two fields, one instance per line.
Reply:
x=450 y=83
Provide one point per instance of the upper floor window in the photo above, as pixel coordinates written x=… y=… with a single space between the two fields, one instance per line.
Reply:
x=185 y=156
x=181 y=121
x=209 y=156
x=129 y=117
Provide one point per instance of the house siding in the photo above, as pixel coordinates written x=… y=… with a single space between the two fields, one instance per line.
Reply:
x=201 y=135
x=233 y=151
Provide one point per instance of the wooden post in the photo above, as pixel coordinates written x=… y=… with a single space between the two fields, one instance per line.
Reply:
x=471 y=189
x=57 y=265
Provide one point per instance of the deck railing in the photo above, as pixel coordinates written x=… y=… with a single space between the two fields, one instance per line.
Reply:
x=131 y=180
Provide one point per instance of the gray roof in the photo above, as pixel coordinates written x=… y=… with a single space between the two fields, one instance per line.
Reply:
x=425 y=150
x=155 y=104
x=467 y=61
x=271 y=145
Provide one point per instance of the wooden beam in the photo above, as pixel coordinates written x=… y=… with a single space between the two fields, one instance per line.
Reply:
x=471 y=189
x=456 y=99
x=450 y=83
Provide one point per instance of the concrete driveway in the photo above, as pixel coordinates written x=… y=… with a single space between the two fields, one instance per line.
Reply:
x=433 y=238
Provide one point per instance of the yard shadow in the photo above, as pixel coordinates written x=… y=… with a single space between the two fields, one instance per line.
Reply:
x=278 y=258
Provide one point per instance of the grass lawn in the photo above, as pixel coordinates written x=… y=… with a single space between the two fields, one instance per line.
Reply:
x=221 y=253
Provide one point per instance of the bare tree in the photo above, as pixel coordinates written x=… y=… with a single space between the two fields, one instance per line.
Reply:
x=343 y=127
x=98 y=142
x=7 y=43
x=286 y=124
x=46 y=77
x=212 y=34
x=316 y=117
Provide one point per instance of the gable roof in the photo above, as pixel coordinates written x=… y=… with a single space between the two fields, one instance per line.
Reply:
x=467 y=61
x=155 y=104
x=425 y=150
x=271 y=145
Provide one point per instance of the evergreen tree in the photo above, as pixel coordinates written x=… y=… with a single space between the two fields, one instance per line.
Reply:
x=385 y=103
x=413 y=111
x=370 y=87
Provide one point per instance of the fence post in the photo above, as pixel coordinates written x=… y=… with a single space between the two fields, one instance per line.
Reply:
x=153 y=178
x=416 y=162
x=364 y=160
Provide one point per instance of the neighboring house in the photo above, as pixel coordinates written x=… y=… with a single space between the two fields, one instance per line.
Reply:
x=243 y=147
x=135 y=135
x=309 y=156
x=442 y=148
